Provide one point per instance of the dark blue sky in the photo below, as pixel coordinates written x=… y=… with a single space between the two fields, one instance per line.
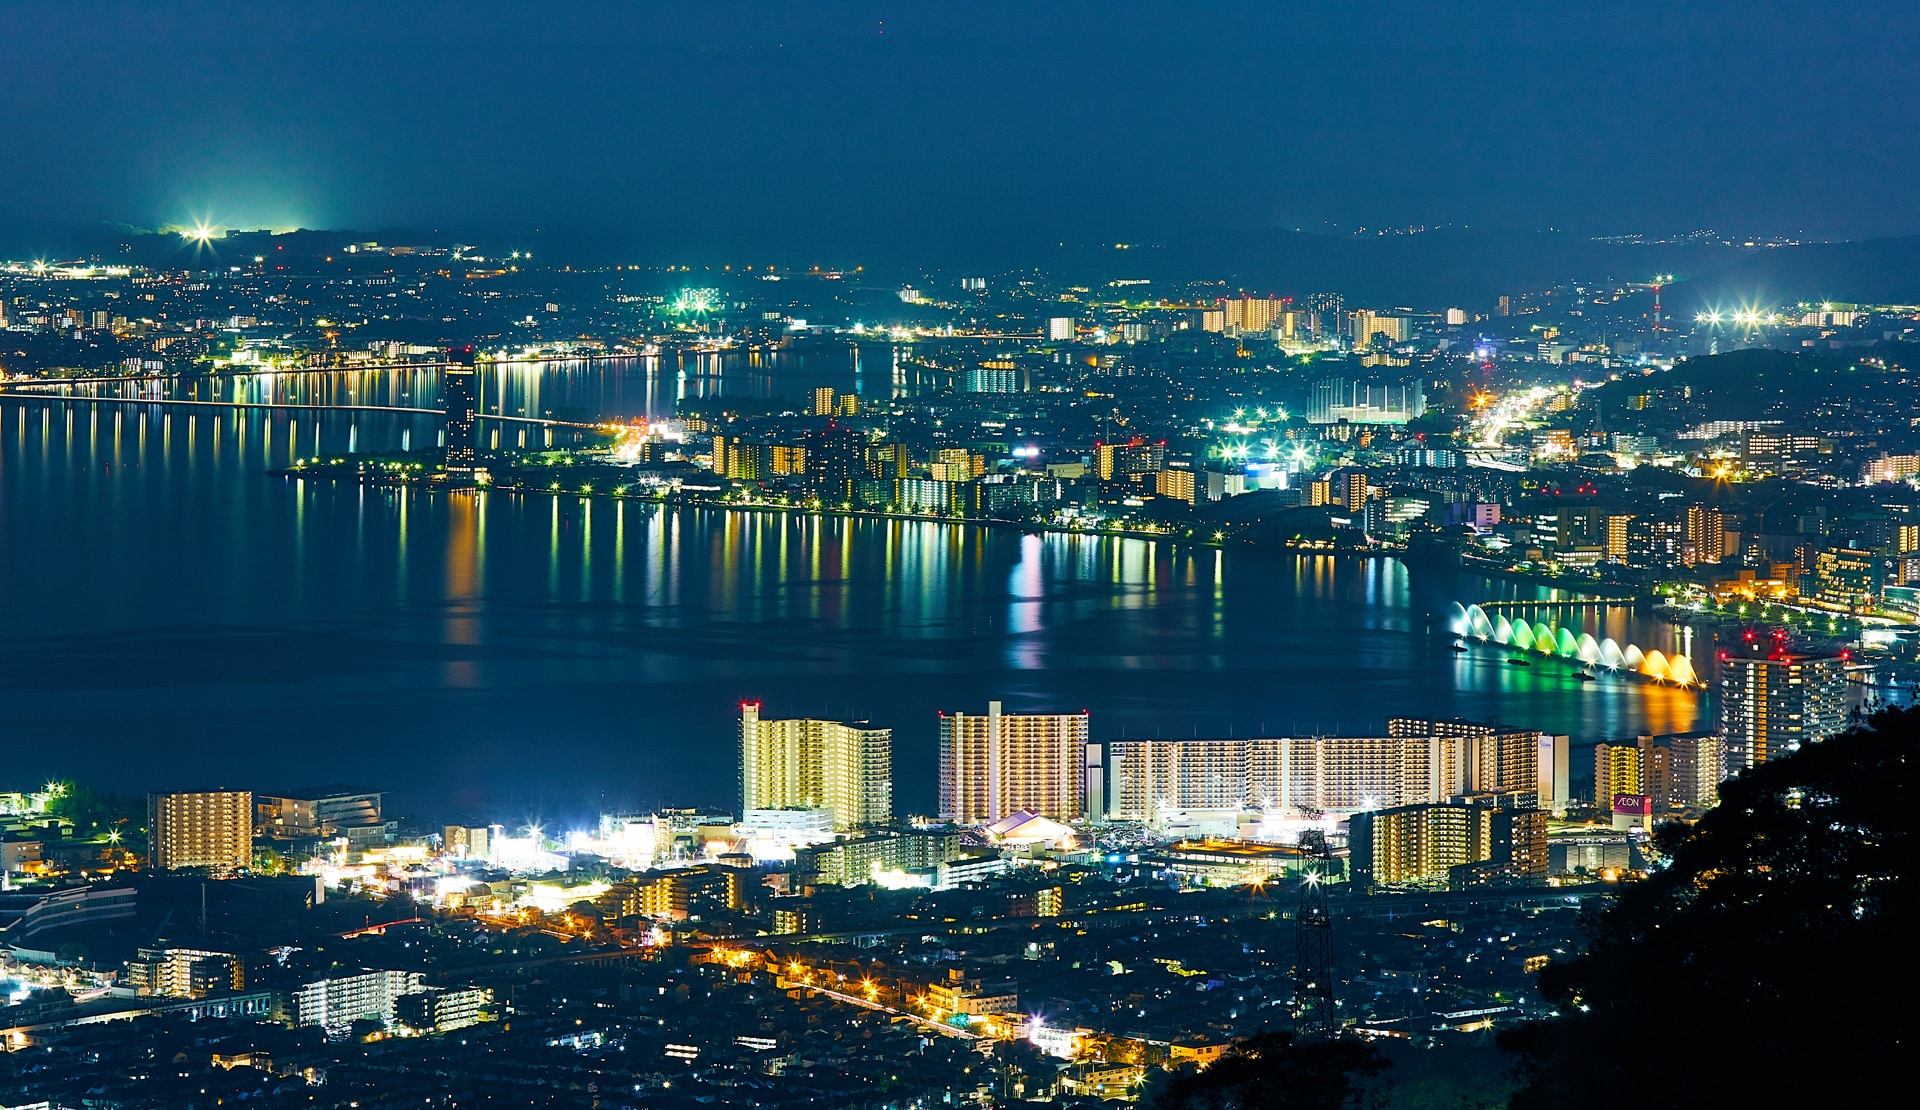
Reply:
x=806 y=121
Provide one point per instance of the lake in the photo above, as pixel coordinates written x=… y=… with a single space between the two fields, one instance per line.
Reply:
x=178 y=615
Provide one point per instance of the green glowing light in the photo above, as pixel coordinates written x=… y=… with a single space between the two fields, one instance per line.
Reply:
x=694 y=302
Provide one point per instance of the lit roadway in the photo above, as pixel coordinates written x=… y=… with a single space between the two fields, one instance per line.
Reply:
x=940 y=1026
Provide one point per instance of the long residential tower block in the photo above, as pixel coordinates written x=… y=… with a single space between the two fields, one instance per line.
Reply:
x=998 y=763
x=210 y=829
x=1419 y=761
x=843 y=767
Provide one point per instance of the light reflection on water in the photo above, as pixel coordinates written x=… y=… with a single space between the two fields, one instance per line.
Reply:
x=625 y=387
x=175 y=612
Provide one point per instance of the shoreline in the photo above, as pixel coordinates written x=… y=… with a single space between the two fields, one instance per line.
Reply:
x=1579 y=586
x=1400 y=554
x=1224 y=543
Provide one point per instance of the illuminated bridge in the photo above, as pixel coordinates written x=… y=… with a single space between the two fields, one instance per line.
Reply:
x=292 y=406
x=1580 y=603
x=1565 y=643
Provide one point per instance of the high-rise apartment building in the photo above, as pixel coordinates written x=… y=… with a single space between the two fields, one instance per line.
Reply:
x=1355 y=495
x=994 y=375
x=460 y=389
x=845 y=768
x=1287 y=776
x=1129 y=461
x=962 y=465
x=890 y=460
x=1250 y=314
x=1846 y=578
x=1060 y=329
x=1699 y=763
x=185 y=972
x=1656 y=774
x=1419 y=762
x=742 y=460
x=1427 y=843
x=1497 y=759
x=1616 y=771
x=787 y=458
x=836 y=458
x=1706 y=533
x=1618 y=537
x=1327 y=313
x=1177 y=485
x=1414 y=844
x=339 y=1000
x=200 y=828
x=823 y=401
x=442 y=1009
x=998 y=763
x=1365 y=326
x=1772 y=704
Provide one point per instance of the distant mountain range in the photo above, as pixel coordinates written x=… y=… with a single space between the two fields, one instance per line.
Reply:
x=1451 y=267
x=1472 y=269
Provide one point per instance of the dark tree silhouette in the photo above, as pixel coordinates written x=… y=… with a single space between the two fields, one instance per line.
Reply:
x=1769 y=963
x=1272 y=1070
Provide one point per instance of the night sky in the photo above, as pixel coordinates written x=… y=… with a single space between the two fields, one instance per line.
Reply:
x=803 y=122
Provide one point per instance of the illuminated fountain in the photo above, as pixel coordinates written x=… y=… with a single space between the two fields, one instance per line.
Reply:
x=1471 y=621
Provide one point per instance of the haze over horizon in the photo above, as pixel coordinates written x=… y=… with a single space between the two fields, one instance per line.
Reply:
x=882 y=120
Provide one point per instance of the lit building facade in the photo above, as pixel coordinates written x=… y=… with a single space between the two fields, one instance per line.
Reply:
x=460 y=386
x=1129 y=461
x=1845 y=579
x=443 y=1009
x=1408 y=844
x=1706 y=534
x=200 y=828
x=185 y=972
x=1449 y=841
x=318 y=811
x=1420 y=761
x=1699 y=763
x=1176 y=485
x=997 y=763
x=468 y=841
x=1616 y=771
x=1772 y=704
x=1496 y=759
x=1363 y=326
x=1250 y=314
x=343 y=999
x=845 y=768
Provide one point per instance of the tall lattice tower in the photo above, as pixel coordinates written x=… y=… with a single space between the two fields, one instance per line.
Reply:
x=1313 y=1015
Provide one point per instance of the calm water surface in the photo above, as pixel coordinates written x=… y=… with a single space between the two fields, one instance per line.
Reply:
x=175 y=614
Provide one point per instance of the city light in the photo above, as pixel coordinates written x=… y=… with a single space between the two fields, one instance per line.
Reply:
x=694 y=302
x=1025 y=673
